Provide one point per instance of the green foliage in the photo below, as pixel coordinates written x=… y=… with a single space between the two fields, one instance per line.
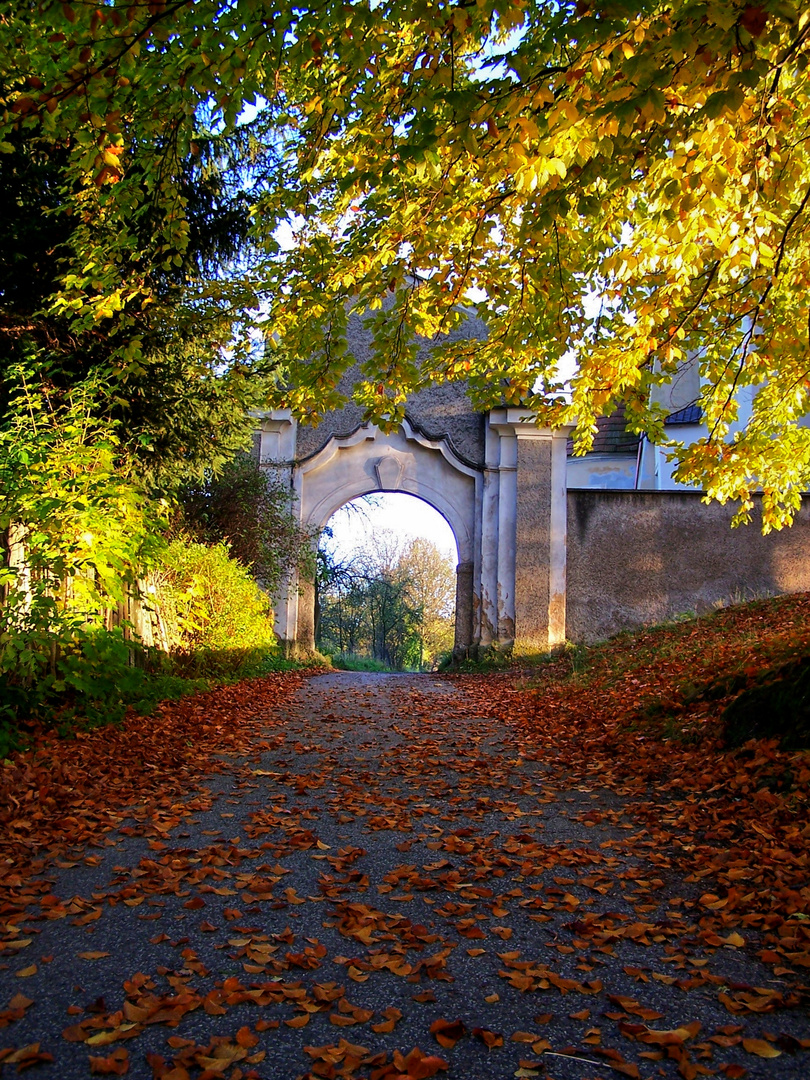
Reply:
x=251 y=510
x=157 y=347
x=95 y=674
x=79 y=534
x=65 y=506
x=219 y=620
x=391 y=603
x=87 y=678
x=354 y=662
x=488 y=660
x=185 y=413
x=76 y=533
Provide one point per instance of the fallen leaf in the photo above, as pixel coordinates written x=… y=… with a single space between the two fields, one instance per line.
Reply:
x=447 y=1032
x=761 y=1048
x=489 y=1038
x=117 y=1064
x=298 y=1021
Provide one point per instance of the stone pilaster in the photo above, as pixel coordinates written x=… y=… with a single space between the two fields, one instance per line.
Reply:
x=532 y=533
x=464 y=609
x=276 y=438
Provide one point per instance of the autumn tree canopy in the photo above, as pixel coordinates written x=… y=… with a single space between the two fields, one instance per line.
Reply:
x=627 y=181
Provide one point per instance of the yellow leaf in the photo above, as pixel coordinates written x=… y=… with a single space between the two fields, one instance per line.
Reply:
x=761 y=1048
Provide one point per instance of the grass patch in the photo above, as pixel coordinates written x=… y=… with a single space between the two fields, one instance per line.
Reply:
x=355 y=662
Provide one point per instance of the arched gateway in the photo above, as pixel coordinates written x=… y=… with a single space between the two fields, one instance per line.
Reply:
x=496 y=478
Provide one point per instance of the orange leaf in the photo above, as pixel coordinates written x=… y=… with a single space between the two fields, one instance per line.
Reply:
x=20 y=1001
x=420 y=1066
x=298 y=1021
x=626 y=1068
x=734 y=1072
x=490 y=1038
x=117 y=1064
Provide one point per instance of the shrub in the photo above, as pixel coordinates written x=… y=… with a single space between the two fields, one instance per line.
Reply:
x=216 y=616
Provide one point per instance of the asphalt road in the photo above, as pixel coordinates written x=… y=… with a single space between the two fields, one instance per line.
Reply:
x=390 y=859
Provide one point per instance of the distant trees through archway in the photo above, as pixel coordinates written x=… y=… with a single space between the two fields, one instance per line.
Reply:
x=385 y=596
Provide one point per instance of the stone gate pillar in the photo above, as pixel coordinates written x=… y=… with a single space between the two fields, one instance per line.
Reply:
x=274 y=443
x=465 y=613
x=531 y=530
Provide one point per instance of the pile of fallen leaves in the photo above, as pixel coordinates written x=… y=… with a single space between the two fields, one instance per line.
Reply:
x=62 y=794
x=558 y=869
x=642 y=714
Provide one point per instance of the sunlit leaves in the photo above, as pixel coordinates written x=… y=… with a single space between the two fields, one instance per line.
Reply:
x=531 y=152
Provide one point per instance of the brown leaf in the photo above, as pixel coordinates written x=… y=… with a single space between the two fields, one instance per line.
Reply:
x=489 y=1038
x=626 y=1068
x=27 y=1056
x=419 y=1066
x=117 y=1064
x=20 y=1001
x=447 y=1032
x=298 y=1021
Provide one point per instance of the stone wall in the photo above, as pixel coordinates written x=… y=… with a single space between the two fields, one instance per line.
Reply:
x=640 y=557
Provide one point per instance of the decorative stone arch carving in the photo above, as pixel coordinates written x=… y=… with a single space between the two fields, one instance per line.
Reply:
x=506 y=512
x=406 y=460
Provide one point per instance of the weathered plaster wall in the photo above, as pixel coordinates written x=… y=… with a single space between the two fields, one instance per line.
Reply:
x=440 y=410
x=540 y=540
x=639 y=557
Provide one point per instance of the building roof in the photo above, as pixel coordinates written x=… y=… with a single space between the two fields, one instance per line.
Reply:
x=612 y=436
x=689 y=414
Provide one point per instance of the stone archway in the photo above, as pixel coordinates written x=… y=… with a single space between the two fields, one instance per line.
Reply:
x=408 y=461
x=504 y=499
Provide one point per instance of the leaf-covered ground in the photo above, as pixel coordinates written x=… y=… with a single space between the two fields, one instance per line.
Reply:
x=557 y=874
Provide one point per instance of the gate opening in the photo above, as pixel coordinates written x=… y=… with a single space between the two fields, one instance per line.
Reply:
x=386 y=585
